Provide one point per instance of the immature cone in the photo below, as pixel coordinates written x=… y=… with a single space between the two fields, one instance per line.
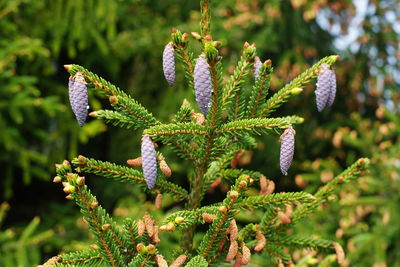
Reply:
x=169 y=63
x=202 y=84
x=287 y=149
x=179 y=261
x=257 y=67
x=326 y=87
x=149 y=161
x=78 y=97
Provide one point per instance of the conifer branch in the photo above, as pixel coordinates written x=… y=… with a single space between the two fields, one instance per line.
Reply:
x=257 y=125
x=176 y=129
x=209 y=245
x=81 y=258
x=115 y=118
x=231 y=91
x=260 y=90
x=283 y=94
x=125 y=174
x=188 y=218
x=205 y=17
x=322 y=195
x=230 y=175
x=185 y=56
x=183 y=114
x=274 y=200
x=120 y=100
x=304 y=242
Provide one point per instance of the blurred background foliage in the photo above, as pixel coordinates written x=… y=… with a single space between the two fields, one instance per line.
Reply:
x=123 y=40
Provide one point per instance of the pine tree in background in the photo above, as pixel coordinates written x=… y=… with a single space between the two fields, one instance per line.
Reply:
x=233 y=115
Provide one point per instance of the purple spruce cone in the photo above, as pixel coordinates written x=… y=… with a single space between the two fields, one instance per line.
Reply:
x=78 y=97
x=326 y=87
x=257 y=67
x=287 y=149
x=149 y=161
x=202 y=84
x=169 y=63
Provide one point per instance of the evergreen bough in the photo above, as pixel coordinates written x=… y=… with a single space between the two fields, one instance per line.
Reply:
x=212 y=144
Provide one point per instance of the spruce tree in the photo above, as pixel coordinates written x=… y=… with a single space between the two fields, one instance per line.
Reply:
x=209 y=134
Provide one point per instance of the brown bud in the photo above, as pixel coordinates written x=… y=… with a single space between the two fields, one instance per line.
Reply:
x=163 y=228
x=208 y=38
x=288 y=210
x=158 y=201
x=94 y=205
x=196 y=35
x=161 y=262
x=151 y=249
x=68 y=67
x=268 y=63
x=199 y=117
x=222 y=209
x=216 y=183
x=185 y=37
x=149 y=224
x=141 y=227
x=155 y=237
x=246 y=254
x=69 y=189
x=280 y=264
x=113 y=99
x=80 y=180
x=69 y=197
x=233 y=194
x=93 y=114
x=170 y=227
x=233 y=250
x=82 y=159
x=246 y=45
x=233 y=230
x=105 y=226
x=179 y=220
x=141 y=248
x=339 y=252
x=242 y=184
x=57 y=179
x=166 y=170
x=135 y=162
x=208 y=218
x=179 y=261
x=261 y=241
x=283 y=217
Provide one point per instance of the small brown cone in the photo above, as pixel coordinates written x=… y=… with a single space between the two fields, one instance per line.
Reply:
x=246 y=254
x=141 y=227
x=137 y=162
x=155 y=237
x=233 y=250
x=179 y=261
x=261 y=241
x=165 y=169
x=208 y=218
x=339 y=253
x=283 y=217
x=161 y=262
x=233 y=230
x=158 y=201
x=149 y=224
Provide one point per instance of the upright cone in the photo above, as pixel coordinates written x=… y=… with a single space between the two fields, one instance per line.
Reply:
x=256 y=67
x=326 y=87
x=169 y=63
x=78 y=97
x=202 y=84
x=287 y=149
x=149 y=161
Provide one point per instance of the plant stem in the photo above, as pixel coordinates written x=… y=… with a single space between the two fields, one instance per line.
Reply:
x=205 y=17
